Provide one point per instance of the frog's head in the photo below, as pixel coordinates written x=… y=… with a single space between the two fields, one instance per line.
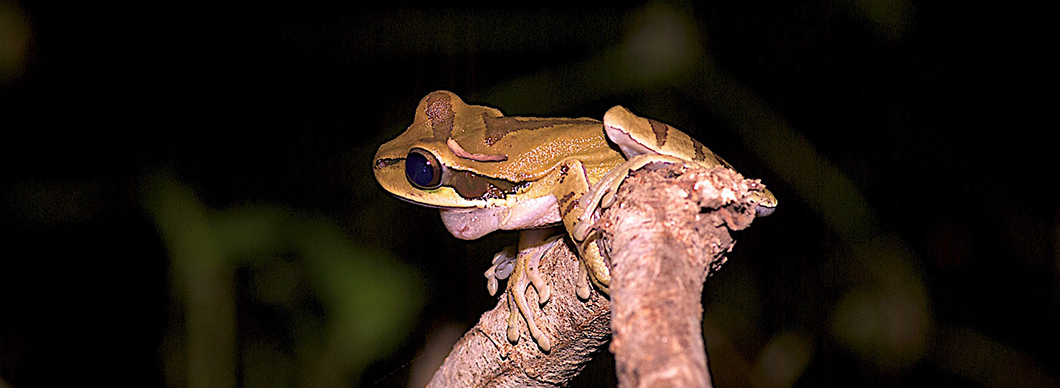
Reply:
x=419 y=165
x=456 y=155
x=765 y=202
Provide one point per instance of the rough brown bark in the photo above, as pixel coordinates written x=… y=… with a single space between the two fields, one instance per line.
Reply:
x=666 y=231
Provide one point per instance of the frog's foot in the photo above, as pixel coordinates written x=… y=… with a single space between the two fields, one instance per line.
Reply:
x=592 y=262
x=526 y=272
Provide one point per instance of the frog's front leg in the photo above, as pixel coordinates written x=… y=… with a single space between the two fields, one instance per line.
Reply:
x=570 y=188
x=533 y=245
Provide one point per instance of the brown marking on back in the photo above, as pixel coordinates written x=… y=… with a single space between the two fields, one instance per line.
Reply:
x=440 y=113
x=660 y=130
x=703 y=154
x=700 y=155
x=498 y=127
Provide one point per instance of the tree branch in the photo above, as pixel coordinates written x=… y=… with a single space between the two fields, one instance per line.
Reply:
x=483 y=357
x=667 y=230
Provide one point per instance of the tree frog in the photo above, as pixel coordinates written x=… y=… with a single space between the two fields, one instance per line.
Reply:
x=485 y=171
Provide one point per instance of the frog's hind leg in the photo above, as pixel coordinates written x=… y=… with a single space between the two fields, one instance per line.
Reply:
x=533 y=245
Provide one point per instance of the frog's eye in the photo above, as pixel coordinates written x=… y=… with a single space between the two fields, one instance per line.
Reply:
x=423 y=170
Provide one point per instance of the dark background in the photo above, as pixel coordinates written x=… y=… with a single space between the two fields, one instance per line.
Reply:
x=179 y=177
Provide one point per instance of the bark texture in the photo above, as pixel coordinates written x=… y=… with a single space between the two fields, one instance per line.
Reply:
x=484 y=357
x=667 y=231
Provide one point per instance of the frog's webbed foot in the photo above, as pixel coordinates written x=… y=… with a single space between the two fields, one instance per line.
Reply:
x=527 y=272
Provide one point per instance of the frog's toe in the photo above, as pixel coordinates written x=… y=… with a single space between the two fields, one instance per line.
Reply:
x=503 y=265
x=592 y=262
x=583 y=281
x=533 y=265
x=523 y=308
x=492 y=284
x=513 y=317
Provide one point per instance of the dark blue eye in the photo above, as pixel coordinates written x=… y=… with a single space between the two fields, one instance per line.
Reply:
x=423 y=170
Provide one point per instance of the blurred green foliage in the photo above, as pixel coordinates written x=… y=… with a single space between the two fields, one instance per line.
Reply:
x=341 y=306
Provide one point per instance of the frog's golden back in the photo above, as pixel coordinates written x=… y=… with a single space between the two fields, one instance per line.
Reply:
x=533 y=146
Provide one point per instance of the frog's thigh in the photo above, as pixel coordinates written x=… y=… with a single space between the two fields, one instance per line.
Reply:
x=594 y=264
